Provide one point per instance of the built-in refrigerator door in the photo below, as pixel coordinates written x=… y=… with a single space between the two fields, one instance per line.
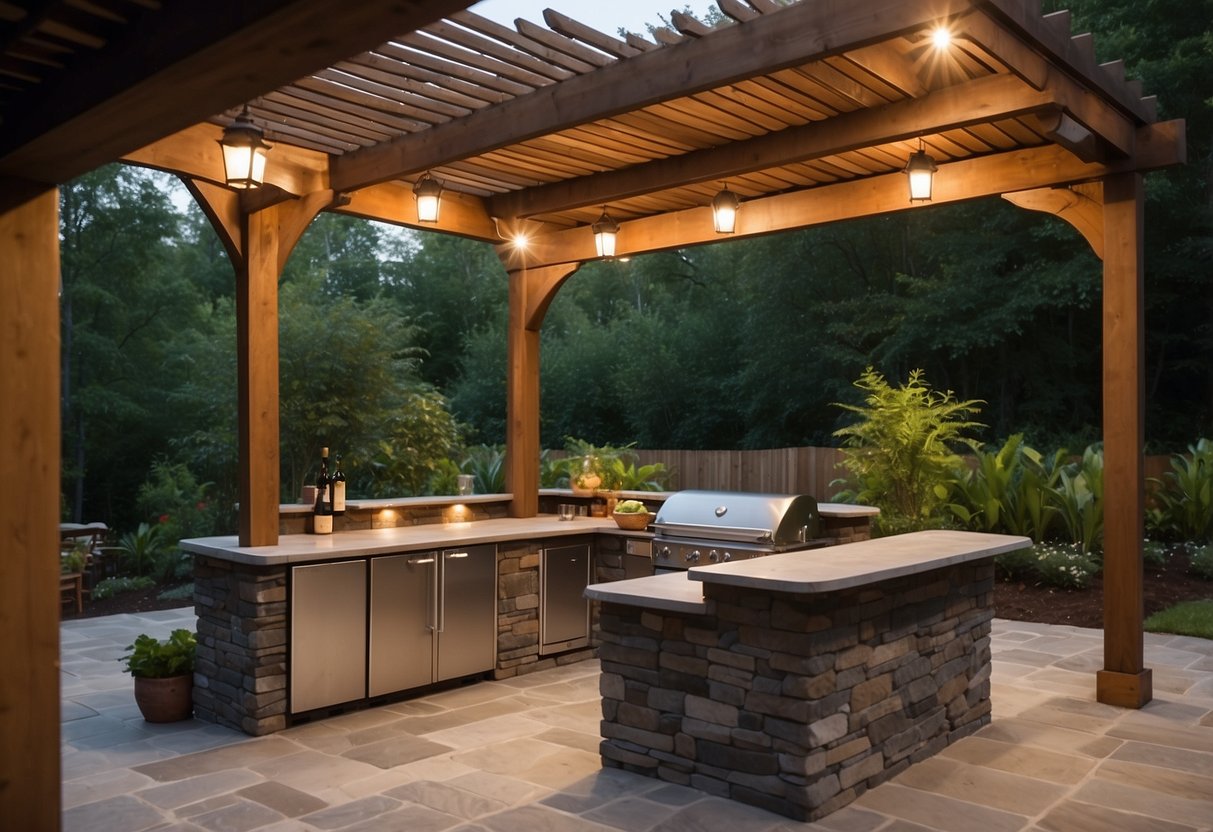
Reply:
x=403 y=618
x=564 y=611
x=328 y=634
x=467 y=613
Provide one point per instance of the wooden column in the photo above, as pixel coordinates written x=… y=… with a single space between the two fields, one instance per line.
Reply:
x=258 y=243
x=1124 y=681
x=29 y=512
x=531 y=292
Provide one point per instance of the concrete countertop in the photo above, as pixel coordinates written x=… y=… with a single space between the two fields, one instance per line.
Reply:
x=812 y=570
x=299 y=548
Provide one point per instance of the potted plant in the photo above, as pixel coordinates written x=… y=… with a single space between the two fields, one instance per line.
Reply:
x=164 y=675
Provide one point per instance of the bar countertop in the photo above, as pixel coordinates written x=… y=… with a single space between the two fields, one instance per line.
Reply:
x=299 y=548
x=812 y=570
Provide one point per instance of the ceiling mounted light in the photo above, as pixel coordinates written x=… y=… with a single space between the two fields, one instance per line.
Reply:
x=243 y=152
x=921 y=172
x=605 y=231
x=428 y=191
x=941 y=37
x=724 y=211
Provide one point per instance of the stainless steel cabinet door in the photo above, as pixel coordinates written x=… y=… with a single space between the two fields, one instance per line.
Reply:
x=467 y=612
x=328 y=634
x=403 y=617
x=564 y=612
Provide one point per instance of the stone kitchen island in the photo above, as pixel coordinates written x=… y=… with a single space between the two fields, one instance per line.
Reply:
x=255 y=611
x=797 y=681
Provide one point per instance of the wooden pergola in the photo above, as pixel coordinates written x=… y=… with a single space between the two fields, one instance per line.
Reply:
x=808 y=112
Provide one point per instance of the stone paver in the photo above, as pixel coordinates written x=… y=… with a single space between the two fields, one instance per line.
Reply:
x=521 y=755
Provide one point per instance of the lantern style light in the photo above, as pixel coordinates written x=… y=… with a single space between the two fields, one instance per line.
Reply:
x=605 y=231
x=243 y=152
x=724 y=211
x=920 y=169
x=428 y=191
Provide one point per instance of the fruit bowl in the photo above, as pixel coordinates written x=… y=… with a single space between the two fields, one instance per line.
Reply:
x=633 y=521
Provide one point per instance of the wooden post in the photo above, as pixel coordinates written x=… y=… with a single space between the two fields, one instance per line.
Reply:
x=1124 y=681
x=531 y=292
x=29 y=512
x=258 y=244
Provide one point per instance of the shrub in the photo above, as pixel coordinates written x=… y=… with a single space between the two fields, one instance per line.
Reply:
x=1079 y=499
x=1184 y=497
x=1009 y=490
x=1064 y=565
x=486 y=463
x=901 y=451
x=141 y=548
x=1154 y=553
x=178 y=593
x=1201 y=562
x=173 y=495
x=110 y=587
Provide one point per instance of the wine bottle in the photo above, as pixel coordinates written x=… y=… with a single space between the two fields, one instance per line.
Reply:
x=322 y=514
x=338 y=489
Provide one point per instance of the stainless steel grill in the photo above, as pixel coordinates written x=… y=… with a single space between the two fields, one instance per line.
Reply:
x=699 y=528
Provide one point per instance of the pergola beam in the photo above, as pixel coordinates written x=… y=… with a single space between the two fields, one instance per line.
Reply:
x=1159 y=145
x=795 y=35
x=174 y=67
x=992 y=97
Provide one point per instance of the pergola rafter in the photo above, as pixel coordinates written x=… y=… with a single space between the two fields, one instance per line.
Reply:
x=809 y=110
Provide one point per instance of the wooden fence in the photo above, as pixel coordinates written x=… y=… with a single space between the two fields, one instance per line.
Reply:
x=804 y=470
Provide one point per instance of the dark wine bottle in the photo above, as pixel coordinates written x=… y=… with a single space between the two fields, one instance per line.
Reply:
x=338 y=489
x=322 y=514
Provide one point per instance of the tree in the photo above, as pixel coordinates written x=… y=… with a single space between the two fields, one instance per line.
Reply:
x=123 y=300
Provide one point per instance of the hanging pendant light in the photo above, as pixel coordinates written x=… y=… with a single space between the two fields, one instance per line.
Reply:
x=605 y=231
x=243 y=152
x=724 y=211
x=921 y=172
x=428 y=191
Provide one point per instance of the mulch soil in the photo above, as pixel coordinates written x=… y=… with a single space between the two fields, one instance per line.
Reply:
x=1017 y=600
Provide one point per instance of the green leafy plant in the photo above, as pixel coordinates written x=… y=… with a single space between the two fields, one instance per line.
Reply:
x=1009 y=490
x=151 y=658
x=1061 y=565
x=901 y=451
x=487 y=464
x=109 y=587
x=141 y=548
x=1183 y=498
x=622 y=474
x=1079 y=500
x=178 y=593
x=184 y=506
x=1200 y=561
x=603 y=467
x=75 y=558
x=1154 y=553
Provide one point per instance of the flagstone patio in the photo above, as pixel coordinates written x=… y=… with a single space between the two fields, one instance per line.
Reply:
x=521 y=755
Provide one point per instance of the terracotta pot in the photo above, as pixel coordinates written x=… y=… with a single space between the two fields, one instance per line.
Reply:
x=165 y=700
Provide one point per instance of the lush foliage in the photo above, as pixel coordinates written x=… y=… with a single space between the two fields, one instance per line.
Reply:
x=1201 y=563
x=486 y=463
x=1183 y=499
x=602 y=467
x=1009 y=490
x=151 y=658
x=1054 y=564
x=904 y=445
x=109 y=587
x=142 y=548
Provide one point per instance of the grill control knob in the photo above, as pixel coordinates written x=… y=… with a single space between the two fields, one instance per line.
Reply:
x=664 y=553
x=714 y=556
x=693 y=557
x=727 y=556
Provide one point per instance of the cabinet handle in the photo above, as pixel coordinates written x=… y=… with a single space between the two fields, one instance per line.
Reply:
x=419 y=560
x=456 y=554
x=440 y=595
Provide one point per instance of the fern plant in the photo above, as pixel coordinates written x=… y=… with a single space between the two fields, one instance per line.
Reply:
x=902 y=450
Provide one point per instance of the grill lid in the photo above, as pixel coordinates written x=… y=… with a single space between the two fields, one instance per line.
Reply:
x=768 y=519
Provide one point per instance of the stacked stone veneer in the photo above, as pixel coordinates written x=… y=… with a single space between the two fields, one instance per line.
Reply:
x=798 y=703
x=240 y=675
x=518 y=609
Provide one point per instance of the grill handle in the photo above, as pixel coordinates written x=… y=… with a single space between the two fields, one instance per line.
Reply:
x=714 y=532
